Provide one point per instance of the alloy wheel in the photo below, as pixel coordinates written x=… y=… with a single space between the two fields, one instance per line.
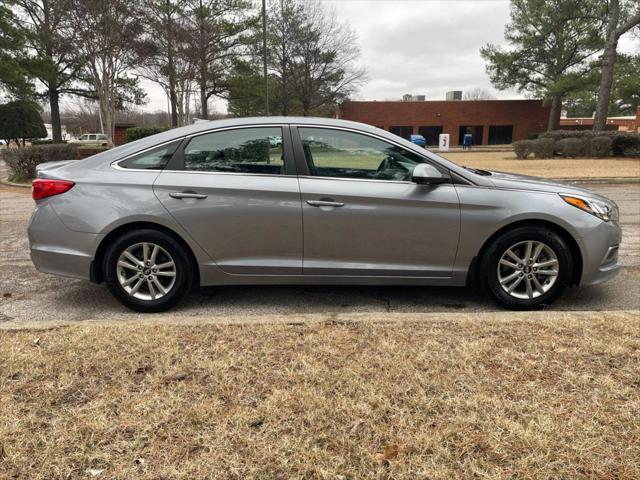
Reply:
x=146 y=271
x=528 y=269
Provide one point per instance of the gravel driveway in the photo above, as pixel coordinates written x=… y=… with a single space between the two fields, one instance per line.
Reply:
x=27 y=296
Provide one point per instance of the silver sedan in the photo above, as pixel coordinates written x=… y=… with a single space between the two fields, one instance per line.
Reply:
x=311 y=201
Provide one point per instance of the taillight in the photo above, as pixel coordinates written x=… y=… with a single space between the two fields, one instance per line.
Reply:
x=46 y=187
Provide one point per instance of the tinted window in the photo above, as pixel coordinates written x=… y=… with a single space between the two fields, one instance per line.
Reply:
x=337 y=153
x=155 y=159
x=244 y=150
x=92 y=137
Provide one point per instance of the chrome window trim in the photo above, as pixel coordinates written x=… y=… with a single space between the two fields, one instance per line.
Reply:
x=115 y=163
x=238 y=127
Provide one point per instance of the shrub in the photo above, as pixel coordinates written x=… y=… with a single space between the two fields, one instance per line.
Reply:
x=533 y=136
x=21 y=119
x=625 y=145
x=136 y=133
x=46 y=141
x=601 y=146
x=572 y=147
x=523 y=148
x=633 y=151
x=543 y=147
x=22 y=162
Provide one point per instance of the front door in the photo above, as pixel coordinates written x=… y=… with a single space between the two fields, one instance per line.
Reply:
x=363 y=216
x=236 y=193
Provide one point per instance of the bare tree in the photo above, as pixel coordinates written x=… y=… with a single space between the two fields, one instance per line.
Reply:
x=326 y=54
x=285 y=18
x=478 y=94
x=616 y=27
x=218 y=32
x=163 y=53
x=108 y=32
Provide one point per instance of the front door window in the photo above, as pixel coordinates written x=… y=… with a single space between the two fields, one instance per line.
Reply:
x=343 y=154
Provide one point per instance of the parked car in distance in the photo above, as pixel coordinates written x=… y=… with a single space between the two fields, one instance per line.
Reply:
x=331 y=202
x=90 y=139
x=418 y=140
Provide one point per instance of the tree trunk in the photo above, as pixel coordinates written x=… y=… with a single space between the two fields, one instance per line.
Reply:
x=172 y=73
x=56 y=127
x=554 y=114
x=204 y=110
x=606 y=81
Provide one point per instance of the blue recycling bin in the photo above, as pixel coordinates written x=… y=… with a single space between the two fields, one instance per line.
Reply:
x=418 y=140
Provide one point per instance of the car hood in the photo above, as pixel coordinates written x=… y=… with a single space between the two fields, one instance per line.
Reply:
x=525 y=182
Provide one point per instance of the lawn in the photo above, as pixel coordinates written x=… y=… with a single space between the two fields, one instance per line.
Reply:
x=551 y=168
x=484 y=396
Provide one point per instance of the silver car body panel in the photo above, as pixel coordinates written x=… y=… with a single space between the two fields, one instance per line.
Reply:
x=259 y=229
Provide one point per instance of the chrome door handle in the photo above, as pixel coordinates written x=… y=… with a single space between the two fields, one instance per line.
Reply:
x=324 y=203
x=180 y=195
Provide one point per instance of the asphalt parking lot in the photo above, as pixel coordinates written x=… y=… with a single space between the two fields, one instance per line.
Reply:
x=28 y=296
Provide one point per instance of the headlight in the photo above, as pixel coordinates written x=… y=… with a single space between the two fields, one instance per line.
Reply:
x=603 y=210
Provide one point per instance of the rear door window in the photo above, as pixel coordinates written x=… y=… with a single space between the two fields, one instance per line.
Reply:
x=257 y=150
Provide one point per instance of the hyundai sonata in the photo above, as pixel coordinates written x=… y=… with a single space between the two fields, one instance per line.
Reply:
x=311 y=201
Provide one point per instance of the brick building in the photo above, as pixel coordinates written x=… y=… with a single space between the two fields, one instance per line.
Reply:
x=622 y=124
x=491 y=122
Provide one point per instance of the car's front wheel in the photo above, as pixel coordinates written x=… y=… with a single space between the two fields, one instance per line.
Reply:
x=147 y=270
x=526 y=268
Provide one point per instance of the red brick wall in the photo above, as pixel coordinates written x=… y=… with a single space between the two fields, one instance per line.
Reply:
x=526 y=116
x=120 y=135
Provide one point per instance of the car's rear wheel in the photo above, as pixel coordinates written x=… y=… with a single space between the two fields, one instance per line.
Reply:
x=147 y=270
x=526 y=268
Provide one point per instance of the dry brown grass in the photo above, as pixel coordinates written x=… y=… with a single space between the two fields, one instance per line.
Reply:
x=557 y=398
x=552 y=168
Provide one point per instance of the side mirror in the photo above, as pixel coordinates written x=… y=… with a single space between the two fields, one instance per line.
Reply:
x=426 y=174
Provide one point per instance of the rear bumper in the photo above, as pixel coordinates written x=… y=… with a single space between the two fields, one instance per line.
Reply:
x=56 y=249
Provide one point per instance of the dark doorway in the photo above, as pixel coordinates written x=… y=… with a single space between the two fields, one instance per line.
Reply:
x=403 y=132
x=475 y=130
x=500 y=134
x=431 y=134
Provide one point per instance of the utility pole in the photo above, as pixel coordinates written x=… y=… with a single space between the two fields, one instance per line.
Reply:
x=264 y=57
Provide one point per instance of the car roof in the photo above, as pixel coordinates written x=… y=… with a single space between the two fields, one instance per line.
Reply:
x=205 y=126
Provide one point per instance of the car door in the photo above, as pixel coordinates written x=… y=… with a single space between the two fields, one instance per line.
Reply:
x=236 y=192
x=362 y=214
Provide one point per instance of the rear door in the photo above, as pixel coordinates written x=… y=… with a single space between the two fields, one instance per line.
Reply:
x=236 y=192
x=363 y=216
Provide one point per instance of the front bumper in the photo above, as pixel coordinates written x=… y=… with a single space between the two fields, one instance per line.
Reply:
x=600 y=253
x=58 y=250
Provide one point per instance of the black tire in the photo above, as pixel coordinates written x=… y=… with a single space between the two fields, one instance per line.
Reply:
x=488 y=267
x=183 y=270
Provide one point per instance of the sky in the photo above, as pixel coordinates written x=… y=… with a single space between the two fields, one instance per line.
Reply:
x=422 y=47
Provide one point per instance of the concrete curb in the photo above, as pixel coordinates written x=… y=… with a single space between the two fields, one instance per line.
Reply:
x=5 y=181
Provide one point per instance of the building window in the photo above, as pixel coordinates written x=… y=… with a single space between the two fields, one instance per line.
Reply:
x=403 y=132
x=500 y=134
x=431 y=134
x=474 y=130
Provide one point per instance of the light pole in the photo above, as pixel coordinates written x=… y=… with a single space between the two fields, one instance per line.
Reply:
x=264 y=57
